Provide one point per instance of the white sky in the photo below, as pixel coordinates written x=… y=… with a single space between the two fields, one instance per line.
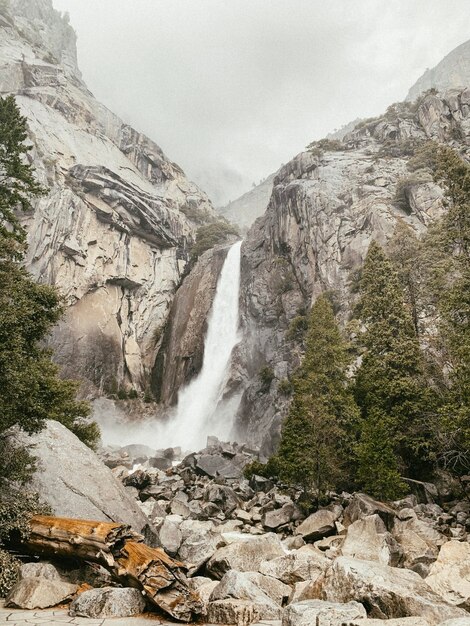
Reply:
x=230 y=89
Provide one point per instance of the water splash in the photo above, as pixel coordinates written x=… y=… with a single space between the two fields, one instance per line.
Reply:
x=197 y=413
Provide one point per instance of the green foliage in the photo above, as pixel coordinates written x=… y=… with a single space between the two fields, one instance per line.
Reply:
x=196 y=214
x=211 y=235
x=31 y=390
x=285 y=387
x=453 y=304
x=132 y=395
x=390 y=387
x=325 y=145
x=298 y=327
x=122 y=394
x=398 y=148
x=315 y=436
x=9 y=568
x=17 y=183
x=266 y=376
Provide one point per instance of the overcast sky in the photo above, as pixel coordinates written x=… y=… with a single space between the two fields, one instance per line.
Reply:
x=230 y=89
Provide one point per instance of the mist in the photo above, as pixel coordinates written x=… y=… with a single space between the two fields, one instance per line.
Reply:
x=230 y=90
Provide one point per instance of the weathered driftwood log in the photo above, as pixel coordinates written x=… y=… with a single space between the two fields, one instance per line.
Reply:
x=122 y=551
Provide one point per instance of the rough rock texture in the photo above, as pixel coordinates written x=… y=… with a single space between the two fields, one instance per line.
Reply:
x=39 y=593
x=245 y=556
x=114 y=230
x=369 y=540
x=321 y=613
x=39 y=570
x=182 y=349
x=450 y=73
x=297 y=566
x=449 y=576
x=236 y=585
x=251 y=205
x=386 y=591
x=75 y=483
x=108 y=602
x=326 y=207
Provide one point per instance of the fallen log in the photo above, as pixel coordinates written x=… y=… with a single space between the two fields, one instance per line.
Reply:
x=122 y=552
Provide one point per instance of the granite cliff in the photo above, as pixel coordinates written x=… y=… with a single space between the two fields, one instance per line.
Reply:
x=114 y=230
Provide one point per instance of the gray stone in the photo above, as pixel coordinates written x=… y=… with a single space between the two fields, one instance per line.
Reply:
x=297 y=566
x=230 y=611
x=280 y=517
x=320 y=613
x=363 y=505
x=320 y=524
x=236 y=585
x=245 y=556
x=39 y=593
x=170 y=534
x=39 y=570
x=223 y=497
x=199 y=541
x=369 y=540
x=402 y=621
x=449 y=576
x=388 y=592
x=75 y=483
x=108 y=602
x=275 y=589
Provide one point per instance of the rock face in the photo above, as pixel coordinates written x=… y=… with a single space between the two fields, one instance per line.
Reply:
x=450 y=73
x=75 y=483
x=449 y=576
x=327 y=205
x=182 y=349
x=251 y=205
x=114 y=230
x=321 y=613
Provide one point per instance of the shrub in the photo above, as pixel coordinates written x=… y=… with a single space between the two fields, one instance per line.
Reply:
x=325 y=145
x=403 y=190
x=298 y=327
x=285 y=387
x=211 y=235
x=133 y=395
x=266 y=376
x=122 y=394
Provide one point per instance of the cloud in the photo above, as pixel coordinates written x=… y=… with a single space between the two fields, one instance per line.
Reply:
x=230 y=89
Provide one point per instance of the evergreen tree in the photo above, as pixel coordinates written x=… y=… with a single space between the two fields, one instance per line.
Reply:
x=389 y=387
x=31 y=390
x=453 y=304
x=313 y=451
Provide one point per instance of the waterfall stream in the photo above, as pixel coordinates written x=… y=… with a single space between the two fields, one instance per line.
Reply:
x=197 y=410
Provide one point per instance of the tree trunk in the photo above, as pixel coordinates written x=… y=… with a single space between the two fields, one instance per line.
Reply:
x=122 y=551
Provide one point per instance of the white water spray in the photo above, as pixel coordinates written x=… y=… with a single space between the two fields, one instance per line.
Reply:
x=196 y=413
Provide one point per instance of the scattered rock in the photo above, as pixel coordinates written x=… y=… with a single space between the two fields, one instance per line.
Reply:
x=369 y=540
x=363 y=505
x=321 y=613
x=245 y=556
x=386 y=591
x=320 y=524
x=239 y=612
x=108 y=602
x=39 y=593
x=280 y=517
x=296 y=567
x=238 y=586
x=449 y=576
x=39 y=570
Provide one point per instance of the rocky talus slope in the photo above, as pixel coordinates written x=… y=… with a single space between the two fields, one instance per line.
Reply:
x=327 y=205
x=113 y=232
x=254 y=556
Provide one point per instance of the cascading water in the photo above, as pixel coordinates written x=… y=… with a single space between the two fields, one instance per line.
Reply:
x=196 y=413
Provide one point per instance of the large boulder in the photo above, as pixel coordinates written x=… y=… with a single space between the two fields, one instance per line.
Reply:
x=319 y=524
x=297 y=566
x=39 y=570
x=449 y=576
x=402 y=621
x=72 y=480
x=231 y=611
x=272 y=587
x=238 y=586
x=280 y=517
x=170 y=534
x=363 y=505
x=108 y=602
x=369 y=540
x=388 y=592
x=320 y=613
x=245 y=556
x=199 y=541
x=39 y=593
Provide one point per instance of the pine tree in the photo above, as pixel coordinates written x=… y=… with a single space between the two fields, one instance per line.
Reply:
x=31 y=390
x=389 y=387
x=453 y=304
x=313 y=451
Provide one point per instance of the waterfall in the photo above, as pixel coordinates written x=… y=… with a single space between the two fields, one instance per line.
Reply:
x=196 y=412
